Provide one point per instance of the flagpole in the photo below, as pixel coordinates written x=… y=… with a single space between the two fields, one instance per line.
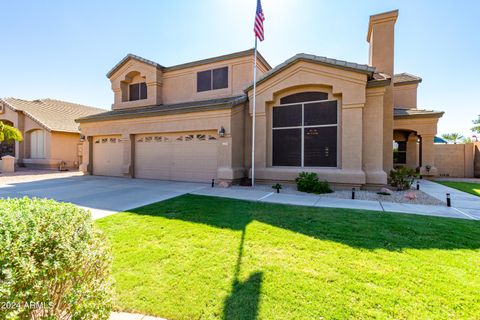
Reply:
x=254 y=112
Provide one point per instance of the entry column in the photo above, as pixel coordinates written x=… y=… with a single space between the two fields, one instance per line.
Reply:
x=128 y=141
x=428 y=156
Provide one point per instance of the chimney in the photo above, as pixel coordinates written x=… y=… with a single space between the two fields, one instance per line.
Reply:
x=381 y=33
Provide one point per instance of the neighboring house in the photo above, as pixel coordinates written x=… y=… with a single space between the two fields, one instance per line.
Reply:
x=50 y=134
x=192 y=122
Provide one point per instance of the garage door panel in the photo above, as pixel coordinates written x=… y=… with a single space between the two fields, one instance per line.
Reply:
x=183 y=157
x=107 y=156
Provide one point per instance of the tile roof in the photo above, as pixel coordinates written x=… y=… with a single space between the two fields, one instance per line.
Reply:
x=164 y=109
x=416 y=113
x=53 y=115
x=406 y=78
x=362 y=68
x=188 y=64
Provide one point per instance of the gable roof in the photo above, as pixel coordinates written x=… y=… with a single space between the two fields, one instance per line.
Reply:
x=165 y=109
x=129 y=57
x=53 y=115
x=229 y=56
x=406 y=78
x=340 y=64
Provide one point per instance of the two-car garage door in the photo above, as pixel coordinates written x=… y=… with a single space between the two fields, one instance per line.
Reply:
x=179 y=157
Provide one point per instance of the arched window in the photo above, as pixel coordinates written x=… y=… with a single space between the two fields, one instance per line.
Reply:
x=37 y=144
x=305 y=127
x=7 y=148
x=134 y=87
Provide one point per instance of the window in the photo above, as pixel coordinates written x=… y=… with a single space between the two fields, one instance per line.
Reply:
x=138 y=91
x=305 y=134
x=37 y=144
x=399 y=152
x=212 y=79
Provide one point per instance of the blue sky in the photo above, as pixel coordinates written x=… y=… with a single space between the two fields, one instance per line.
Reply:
x=63 y=49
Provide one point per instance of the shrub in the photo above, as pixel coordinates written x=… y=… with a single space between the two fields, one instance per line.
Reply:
x=402 y=178
x=309 y=182
x=53 y=263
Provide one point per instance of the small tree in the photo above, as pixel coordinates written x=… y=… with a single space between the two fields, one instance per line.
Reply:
x=9 y=133
x=476 y=128
x=452 y=137
x=467 y=140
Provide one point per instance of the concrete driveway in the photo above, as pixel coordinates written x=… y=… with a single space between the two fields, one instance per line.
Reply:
x=101 y=195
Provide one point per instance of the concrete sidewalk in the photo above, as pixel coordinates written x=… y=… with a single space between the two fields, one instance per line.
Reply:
x=467 y=203
x=465 y=206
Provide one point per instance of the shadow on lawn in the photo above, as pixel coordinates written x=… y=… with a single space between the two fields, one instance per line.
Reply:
x=356 y=228
x=244 y=299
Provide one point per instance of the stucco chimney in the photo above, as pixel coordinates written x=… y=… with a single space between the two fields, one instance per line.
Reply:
x=381 y=34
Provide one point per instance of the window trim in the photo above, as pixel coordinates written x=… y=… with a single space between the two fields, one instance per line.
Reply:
x=400 y=152
x=211 y=79
x=303 y=127
x=139 y=84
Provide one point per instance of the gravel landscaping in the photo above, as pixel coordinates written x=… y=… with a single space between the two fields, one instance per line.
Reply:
x=397 y=196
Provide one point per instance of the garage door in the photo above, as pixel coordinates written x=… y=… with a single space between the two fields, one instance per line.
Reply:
x=179 y=157
x=107 y=156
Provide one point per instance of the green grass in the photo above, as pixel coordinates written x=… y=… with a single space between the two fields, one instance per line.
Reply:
x=195 y=257
x=469 y=187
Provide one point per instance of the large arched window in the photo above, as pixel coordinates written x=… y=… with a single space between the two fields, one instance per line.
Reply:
x=37 y=144
x=305 y=127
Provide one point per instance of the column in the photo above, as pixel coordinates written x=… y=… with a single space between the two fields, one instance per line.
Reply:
x=373 y=137
x=412 y=154
x=428 y=156
x=128 y=154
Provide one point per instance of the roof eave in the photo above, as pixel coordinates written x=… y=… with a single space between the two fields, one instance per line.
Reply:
x=297 y=58
x=153 y=113
x=219 y=58
x=437 y=115
x=404 y=83
x=129 y=57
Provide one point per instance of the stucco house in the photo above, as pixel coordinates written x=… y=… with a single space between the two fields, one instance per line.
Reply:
x=50 y=133
x=348 y=122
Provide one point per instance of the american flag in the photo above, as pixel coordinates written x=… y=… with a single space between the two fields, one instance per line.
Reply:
x=259 y=17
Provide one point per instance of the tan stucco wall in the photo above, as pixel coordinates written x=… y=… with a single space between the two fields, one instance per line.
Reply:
x=405 y=96
x=345 y=86
x=131 y=72
x=476 y=156
x=179 y=85
x=229 y=156
x=455 y=160
x=64 y=147
x=381 y=38
x=58 y=145
x=426 y=128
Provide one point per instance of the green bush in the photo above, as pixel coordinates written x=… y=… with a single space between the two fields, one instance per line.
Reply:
x=53 y=263
x=309 y=182
x=402 y=178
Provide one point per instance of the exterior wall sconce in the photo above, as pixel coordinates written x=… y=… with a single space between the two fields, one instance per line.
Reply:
x=82 y=138
x=221 y=132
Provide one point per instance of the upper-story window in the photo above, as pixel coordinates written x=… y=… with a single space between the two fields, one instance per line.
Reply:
x=137 y=91
x=212 y=79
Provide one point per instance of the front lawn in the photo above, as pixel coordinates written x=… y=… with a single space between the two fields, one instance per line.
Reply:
x=469 y=187
x=196 y=257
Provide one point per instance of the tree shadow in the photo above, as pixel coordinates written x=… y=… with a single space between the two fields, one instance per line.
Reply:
x=356 y=228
